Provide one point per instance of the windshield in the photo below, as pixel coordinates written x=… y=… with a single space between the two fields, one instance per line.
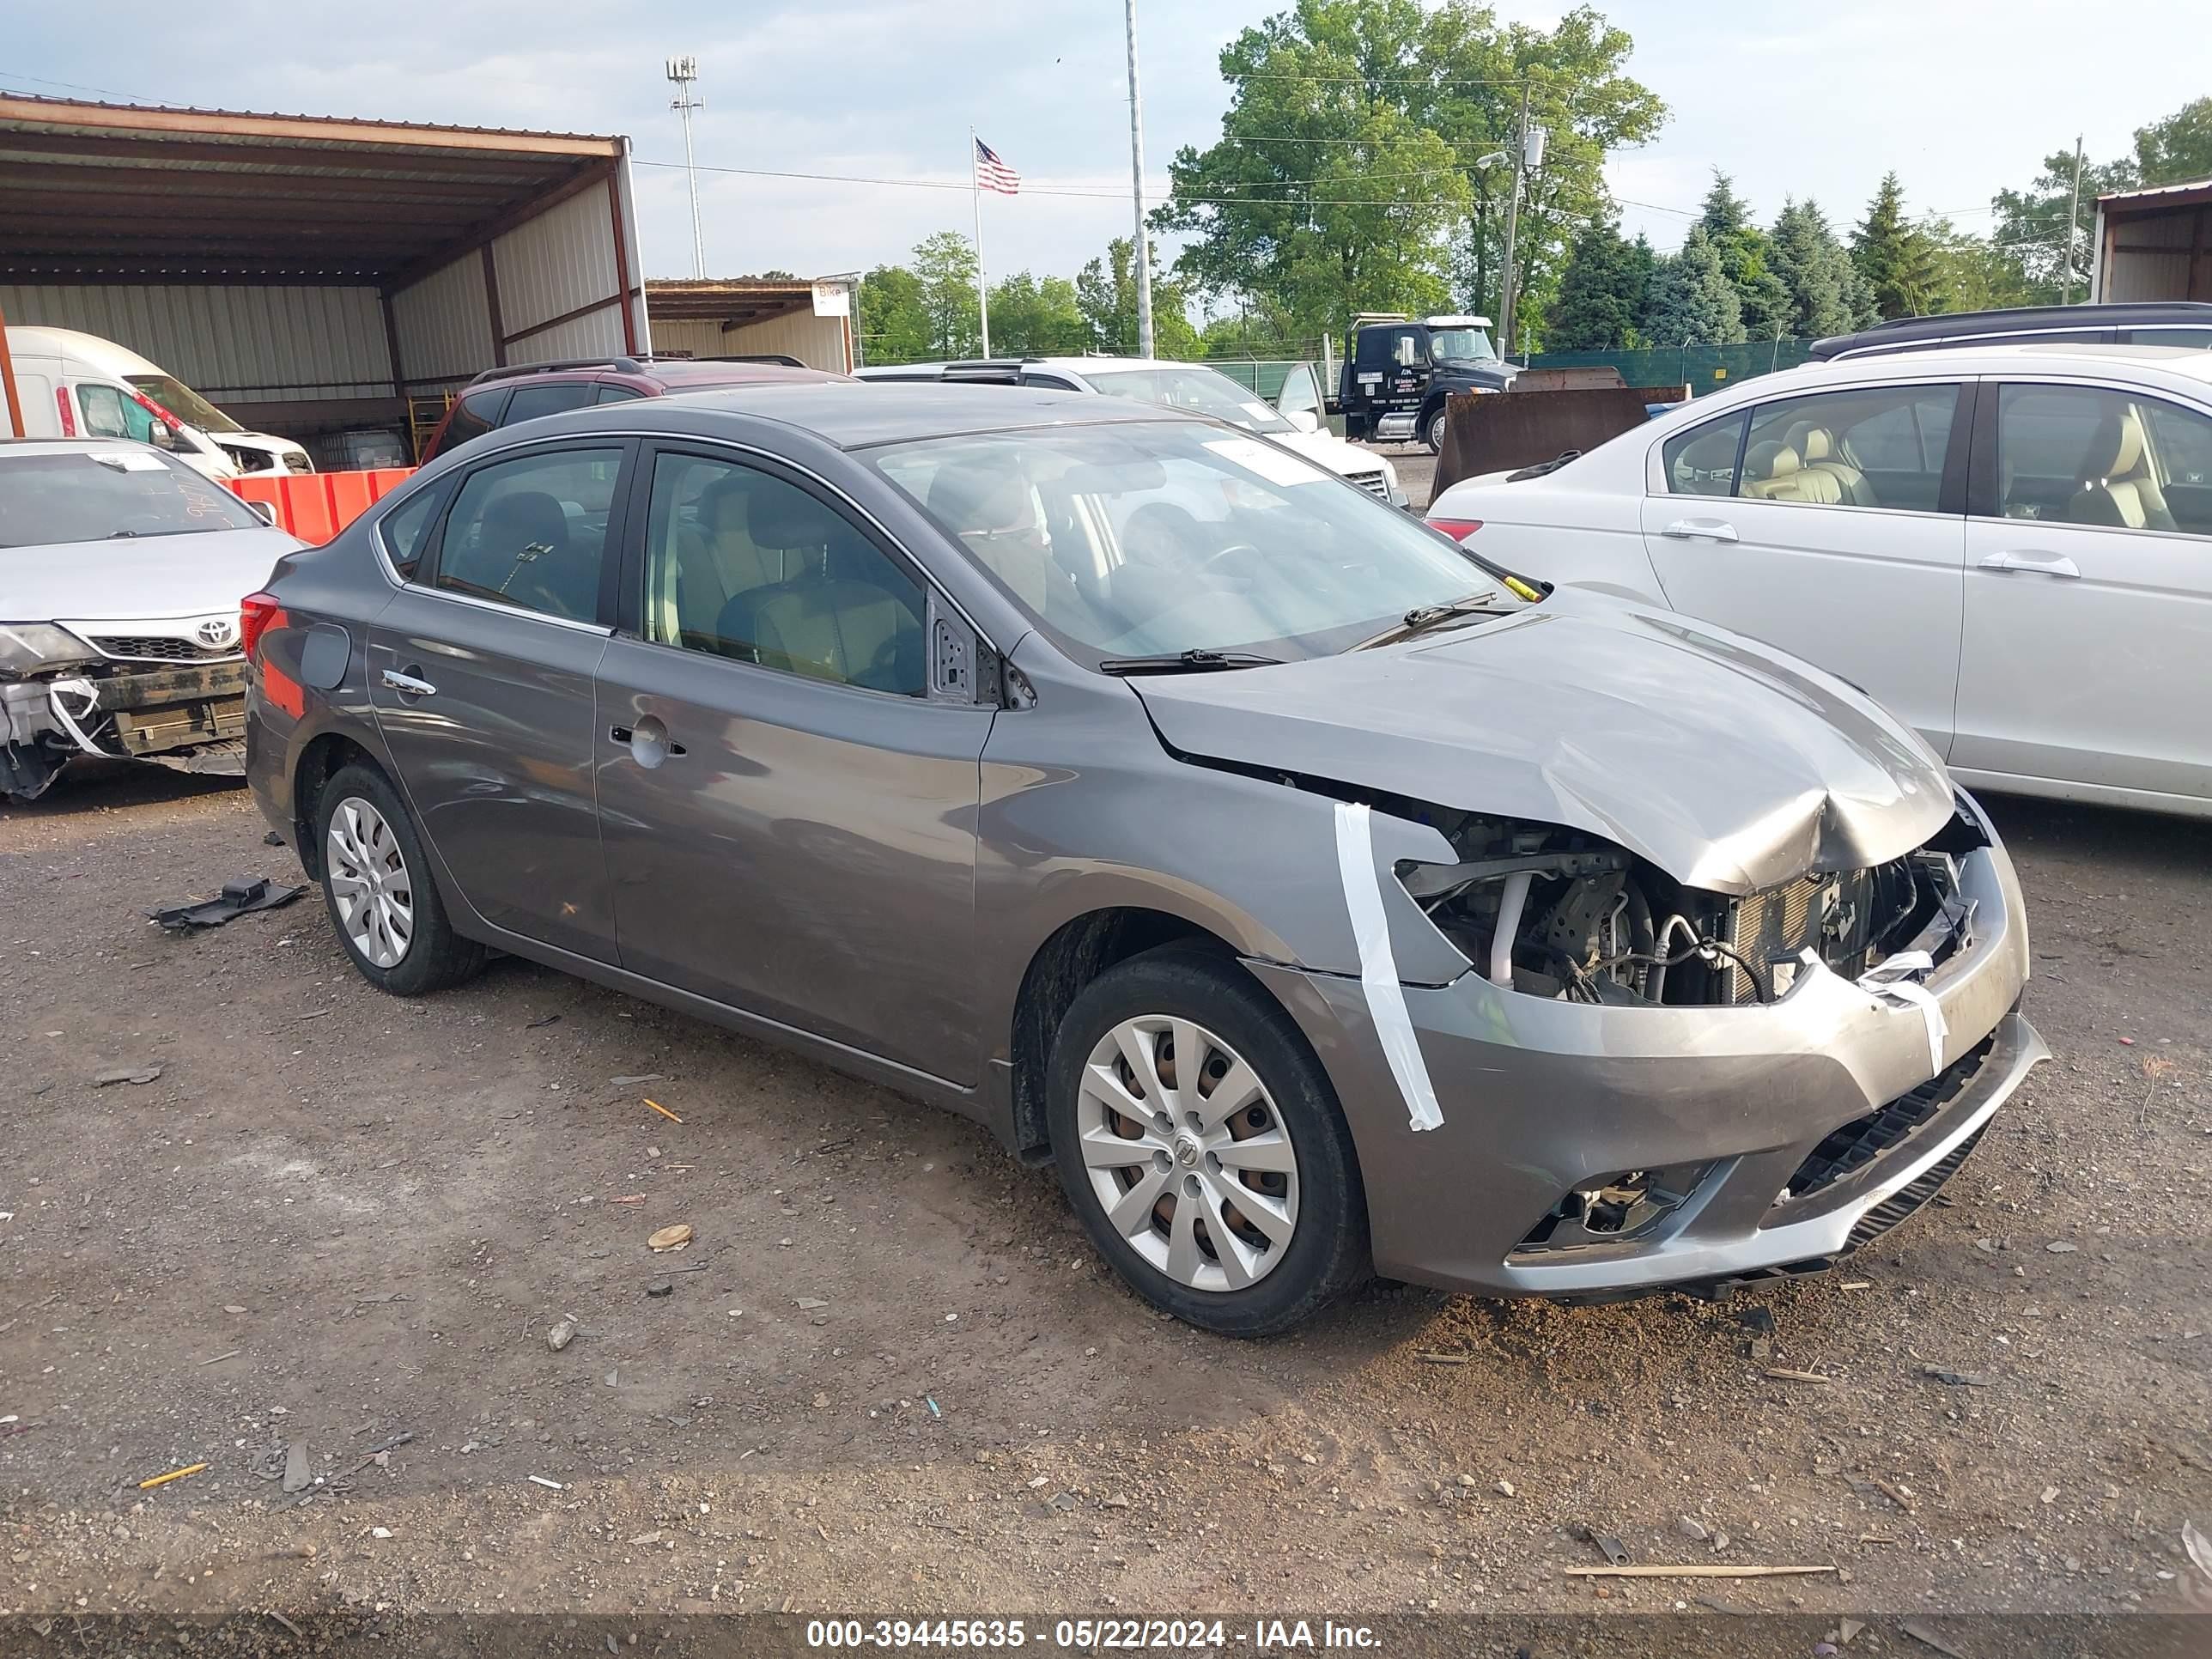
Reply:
x=181 y=401
x=1459 y=344
x=47 y=498
x=1150 y=538
x=1201 y=390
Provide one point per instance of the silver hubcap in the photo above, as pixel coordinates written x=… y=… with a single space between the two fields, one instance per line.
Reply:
x=369 y=882
x=1187 y=1154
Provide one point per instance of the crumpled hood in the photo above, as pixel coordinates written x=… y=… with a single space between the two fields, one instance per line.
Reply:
x=138 y=579
x=1729 y=765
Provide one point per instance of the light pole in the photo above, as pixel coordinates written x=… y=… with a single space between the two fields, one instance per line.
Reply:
x=683 y=72
x=2073 y=225
x=1528 y=156
x=1141 y=251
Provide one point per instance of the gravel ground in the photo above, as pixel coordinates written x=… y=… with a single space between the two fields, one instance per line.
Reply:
x=889 y=1373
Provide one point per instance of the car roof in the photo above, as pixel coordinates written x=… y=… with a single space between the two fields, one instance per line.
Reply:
x=1904 y=330
x=894 y=412
x=694 y=372
x=2191 y=363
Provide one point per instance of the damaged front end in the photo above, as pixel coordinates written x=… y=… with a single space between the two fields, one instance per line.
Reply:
x=1558 y=912
x=172 y=692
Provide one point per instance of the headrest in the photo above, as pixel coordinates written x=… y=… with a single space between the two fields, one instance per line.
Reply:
x=1770 y=460
x=972 y=498
x=529 y=518
x=715 y=501
x=788 y=518
x=2126 y=444
x=1813 y=444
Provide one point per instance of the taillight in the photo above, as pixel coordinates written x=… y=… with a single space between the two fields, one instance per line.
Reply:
x=256 y=614
x=1458 y=529
x=68 y=415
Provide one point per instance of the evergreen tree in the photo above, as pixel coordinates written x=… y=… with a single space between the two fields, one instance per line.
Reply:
x=1691 y=300
x=1825 y=293
x=1897 y=260
x=1725 y=212
x=1745 y=255
x=1601 y=293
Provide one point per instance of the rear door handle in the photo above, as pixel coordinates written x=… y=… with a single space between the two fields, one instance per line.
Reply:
x=2063 y=567
x=647 y=741
x=1711 y=530
x=407 y=685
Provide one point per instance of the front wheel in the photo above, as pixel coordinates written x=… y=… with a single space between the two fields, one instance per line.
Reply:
x=378 y=886
x=1434 y=433
x=1202 y=1145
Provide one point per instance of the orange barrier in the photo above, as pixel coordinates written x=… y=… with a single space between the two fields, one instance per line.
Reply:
x=316 y=506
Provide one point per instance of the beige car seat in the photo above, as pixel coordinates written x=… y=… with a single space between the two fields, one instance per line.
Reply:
x=2119 y=488
x=1819 y=452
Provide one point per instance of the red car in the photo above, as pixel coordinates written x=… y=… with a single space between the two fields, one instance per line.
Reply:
x=502 y=396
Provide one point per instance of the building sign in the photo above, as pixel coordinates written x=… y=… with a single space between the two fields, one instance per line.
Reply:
x=832 y=300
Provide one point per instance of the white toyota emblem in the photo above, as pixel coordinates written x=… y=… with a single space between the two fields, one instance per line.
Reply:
x=216 y=632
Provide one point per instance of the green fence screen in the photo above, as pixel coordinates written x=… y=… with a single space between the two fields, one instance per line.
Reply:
x=1705 y=367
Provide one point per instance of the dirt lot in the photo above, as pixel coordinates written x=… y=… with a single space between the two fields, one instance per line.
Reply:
x=889 y=1374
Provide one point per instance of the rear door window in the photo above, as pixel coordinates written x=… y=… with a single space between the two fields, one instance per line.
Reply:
x=1703 y=460
x=532 y=532
x=547 y=398
x=1879 y=446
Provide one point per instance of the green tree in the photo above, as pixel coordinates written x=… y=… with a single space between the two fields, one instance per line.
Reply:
x=893 y=324
x=1600 y=293
x=1970 y=275
x=1690 y=299
x=1106 y=297
x=1893 y=254
x=1470 y=70
x=2030 y=225
x=1745 y=253
x=1036 y=317
x=2178 y=147
x=1827 y=295
x=944 y=266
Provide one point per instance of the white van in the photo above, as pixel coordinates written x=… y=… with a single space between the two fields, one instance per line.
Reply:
x=79 y=385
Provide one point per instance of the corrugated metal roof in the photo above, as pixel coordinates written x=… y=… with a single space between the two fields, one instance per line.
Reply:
x=96 y=191
x=2150 y=193
x=428 y=129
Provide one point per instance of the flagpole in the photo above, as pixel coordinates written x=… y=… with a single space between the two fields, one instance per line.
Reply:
x=975 y=197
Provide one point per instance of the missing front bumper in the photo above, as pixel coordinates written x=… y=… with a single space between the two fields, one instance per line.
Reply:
x=191 y=719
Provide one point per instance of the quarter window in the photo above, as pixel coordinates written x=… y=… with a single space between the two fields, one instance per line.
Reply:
x=2084 y=455
x=472 y=418
x=406 y=531
x=532 y=533
x=1882 y=447
x=743 y=564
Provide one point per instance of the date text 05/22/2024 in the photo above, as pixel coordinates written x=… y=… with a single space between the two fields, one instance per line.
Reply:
x=1261 y=1637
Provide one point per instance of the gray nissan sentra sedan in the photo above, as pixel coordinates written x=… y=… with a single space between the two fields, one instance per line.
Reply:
x=1318 y=898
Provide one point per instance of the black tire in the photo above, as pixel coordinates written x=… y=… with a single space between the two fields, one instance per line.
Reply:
x=436 y=958
x=1327 y=1252
x=1432 y=432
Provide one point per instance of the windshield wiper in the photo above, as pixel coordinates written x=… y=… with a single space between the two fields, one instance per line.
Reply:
x=1423 y=617
x=1185 y=662
x=1543 y=467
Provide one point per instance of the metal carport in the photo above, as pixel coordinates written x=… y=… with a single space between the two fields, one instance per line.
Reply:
x=311 y=274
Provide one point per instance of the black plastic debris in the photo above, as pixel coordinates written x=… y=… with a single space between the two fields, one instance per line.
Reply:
x=248 y=893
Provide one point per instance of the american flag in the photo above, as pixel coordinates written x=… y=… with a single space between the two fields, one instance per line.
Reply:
x=992 y=173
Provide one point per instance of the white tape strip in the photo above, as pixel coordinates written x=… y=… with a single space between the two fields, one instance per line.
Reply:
x=1897 y=982
x=1378 y=969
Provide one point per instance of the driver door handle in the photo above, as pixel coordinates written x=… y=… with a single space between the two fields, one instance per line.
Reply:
x=2038 y=565
x=407 y=685
x=1711 y=530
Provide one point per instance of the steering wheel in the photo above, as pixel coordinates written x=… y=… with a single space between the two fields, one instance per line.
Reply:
x=1206 y=566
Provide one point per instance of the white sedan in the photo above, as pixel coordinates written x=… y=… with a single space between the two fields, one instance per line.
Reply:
x=2011 y=546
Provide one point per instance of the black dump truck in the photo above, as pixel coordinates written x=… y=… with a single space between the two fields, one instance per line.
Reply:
x=1398 y=371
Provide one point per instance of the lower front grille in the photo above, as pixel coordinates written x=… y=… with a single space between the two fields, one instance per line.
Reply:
x=1373 y=482
x=1908 y=1198
x=1852 y=1147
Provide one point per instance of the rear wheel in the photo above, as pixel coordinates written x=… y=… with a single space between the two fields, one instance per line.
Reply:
x=1201 y=1145
x=378 y=890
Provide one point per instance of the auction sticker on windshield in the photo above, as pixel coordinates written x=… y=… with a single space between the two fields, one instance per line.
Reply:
x=1275 y=465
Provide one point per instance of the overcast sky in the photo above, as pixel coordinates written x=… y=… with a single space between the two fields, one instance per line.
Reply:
x=1961 y=97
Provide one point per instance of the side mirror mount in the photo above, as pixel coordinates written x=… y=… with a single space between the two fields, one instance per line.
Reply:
x=161 y=437
x=1304 y=419
x=264 y=511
